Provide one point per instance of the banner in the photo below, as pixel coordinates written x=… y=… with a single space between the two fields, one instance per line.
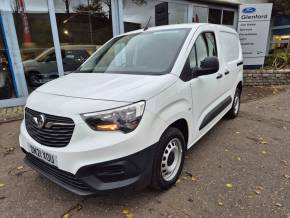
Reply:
x=27 y=37
x=253 y=29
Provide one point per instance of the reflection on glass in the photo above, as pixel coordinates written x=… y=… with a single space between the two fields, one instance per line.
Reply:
x=136 y=13
x=228 y=17
x=6 y=87
x=33 y=31
x=177 y=13
x=214 y=15
x=141 y=53
x=200 y=14
x=83 y=26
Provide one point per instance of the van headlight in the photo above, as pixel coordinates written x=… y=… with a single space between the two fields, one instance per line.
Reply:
x=124 y=119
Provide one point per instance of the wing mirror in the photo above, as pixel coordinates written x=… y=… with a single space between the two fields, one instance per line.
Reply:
x=209 y=65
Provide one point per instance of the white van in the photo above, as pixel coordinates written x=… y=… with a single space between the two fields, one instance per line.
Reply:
x=126 y=117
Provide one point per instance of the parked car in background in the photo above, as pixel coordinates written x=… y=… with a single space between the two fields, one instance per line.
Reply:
x=44 y=67
x=127 y=116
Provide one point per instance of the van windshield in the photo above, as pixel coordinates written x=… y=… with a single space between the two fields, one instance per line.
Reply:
x=146 y=53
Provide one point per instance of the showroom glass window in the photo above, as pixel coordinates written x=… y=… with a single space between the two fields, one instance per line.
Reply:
x=222 y=16
x=34 y=36
x=6 y=77
x=137 y=13
x=83 y=26
x=214 y=15
x=228 y=17
x=26 y=24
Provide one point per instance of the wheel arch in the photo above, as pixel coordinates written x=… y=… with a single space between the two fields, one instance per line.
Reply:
x=240 y=86
x=182 y=125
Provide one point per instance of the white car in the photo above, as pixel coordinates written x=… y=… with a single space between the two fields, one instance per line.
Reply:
x=125 y=119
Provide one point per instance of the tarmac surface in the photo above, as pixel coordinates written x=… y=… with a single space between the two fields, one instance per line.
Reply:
x=241 y=168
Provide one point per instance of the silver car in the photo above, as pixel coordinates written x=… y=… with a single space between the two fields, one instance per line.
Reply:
x=44 y=67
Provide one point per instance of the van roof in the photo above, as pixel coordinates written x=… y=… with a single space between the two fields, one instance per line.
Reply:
x=181 y=26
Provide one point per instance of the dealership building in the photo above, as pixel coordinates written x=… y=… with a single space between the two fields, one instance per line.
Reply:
x=43 y=39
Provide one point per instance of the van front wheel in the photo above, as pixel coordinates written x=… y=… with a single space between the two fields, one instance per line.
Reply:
x=168 y=160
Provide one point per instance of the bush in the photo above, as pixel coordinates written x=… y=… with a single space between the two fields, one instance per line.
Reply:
x=278 y=60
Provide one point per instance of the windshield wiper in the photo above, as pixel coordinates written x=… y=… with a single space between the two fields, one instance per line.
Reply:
x=84 y=71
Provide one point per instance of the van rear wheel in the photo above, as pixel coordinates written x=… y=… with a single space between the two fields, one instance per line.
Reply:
x=234 y=111
x=168 y=160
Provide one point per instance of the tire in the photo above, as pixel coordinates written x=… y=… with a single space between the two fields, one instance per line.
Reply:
x=169 y=155
x=235 y=109
x=6 y=90
x=32 y=76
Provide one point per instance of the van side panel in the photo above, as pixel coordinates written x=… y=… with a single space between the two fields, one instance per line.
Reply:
x=230 y=47
x=173 y=104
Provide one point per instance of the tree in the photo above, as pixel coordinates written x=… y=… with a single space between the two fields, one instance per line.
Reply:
x=281 y=7
x=140 y=2
x=96 y=7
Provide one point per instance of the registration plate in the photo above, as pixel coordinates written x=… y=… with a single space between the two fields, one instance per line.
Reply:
x=43 y=155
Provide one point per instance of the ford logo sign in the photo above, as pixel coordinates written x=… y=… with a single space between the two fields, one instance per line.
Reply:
x=249 y=10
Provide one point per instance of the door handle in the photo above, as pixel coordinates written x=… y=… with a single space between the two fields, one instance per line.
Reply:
x=219 y=76
x=227 y=72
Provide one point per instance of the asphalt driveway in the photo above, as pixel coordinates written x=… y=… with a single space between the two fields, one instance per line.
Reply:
x=241 y=168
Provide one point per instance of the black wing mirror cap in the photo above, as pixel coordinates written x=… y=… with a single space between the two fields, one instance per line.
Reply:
x=209 y=65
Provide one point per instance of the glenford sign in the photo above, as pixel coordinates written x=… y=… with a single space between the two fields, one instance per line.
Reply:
x=253 y=29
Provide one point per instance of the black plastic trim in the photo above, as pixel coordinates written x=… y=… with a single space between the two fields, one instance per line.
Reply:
x=129 y=173
x=240 y=63
x=216 y=111
x=186 y=74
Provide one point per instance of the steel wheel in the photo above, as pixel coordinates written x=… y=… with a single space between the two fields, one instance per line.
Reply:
x=171 y=159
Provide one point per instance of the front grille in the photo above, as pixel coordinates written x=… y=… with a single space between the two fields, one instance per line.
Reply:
x=60 y=175
x=57 y=134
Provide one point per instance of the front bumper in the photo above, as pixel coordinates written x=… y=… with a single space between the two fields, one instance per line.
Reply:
x=89 y=149
x=129 y=173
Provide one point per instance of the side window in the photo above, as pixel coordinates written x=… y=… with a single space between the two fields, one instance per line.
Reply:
x=50 y=57
x=201 y=49
x=77 y=55
x=211 y=43
x=204 y=46
x=192 y=58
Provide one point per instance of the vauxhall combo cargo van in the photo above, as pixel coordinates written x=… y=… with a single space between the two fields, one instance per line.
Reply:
x=126 y=117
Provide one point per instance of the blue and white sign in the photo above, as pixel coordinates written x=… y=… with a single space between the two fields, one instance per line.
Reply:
x=253 y=29
x=249 y=10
